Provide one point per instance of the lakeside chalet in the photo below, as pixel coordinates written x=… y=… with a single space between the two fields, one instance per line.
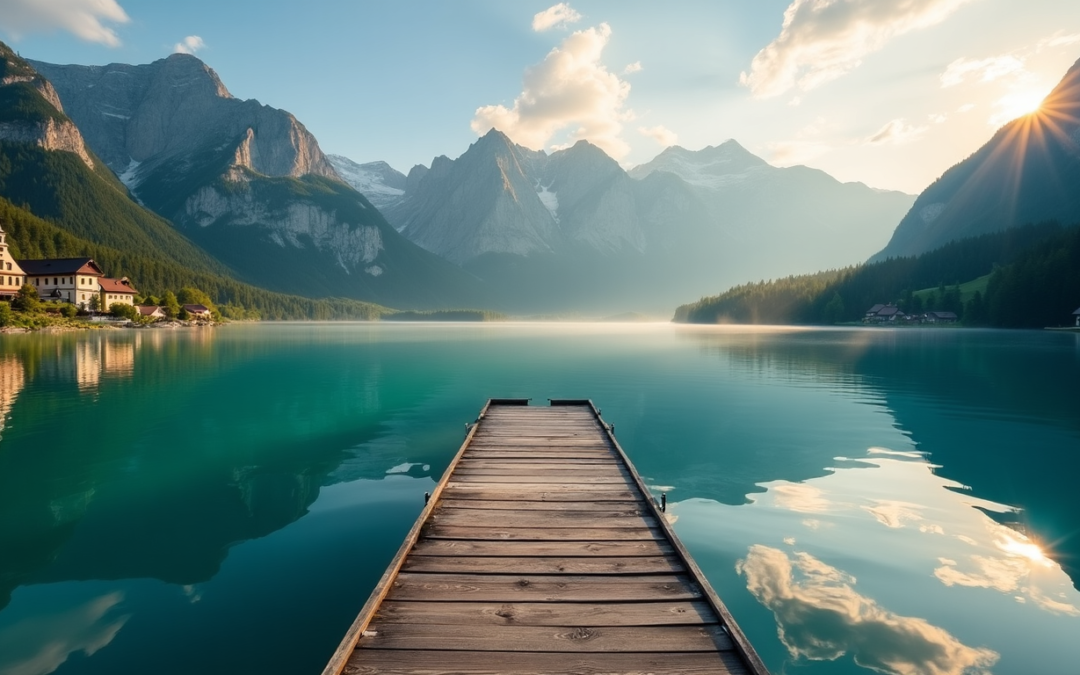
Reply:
x=77 y=280
x=74 y=280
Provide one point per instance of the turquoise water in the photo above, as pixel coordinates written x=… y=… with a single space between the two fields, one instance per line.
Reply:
x=224 y=500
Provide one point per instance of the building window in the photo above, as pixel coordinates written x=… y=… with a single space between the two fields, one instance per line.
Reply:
x=37 y=282
x=9 y=266
x=55 y=282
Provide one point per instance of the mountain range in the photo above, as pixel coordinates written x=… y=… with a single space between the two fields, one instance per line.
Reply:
x=238 y=189
x=248 y=184
x=574 y=230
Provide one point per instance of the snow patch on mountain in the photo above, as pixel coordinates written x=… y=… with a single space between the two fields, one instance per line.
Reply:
x=129 y=176
x=549 y=199
x=715 y=167
x=378 y=181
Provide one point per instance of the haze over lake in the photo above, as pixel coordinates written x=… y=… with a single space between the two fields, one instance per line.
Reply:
x=901 y=500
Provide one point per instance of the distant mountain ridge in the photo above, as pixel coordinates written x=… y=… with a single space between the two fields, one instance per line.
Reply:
x=573 y=230
x=249 y=184
x=1029 y=171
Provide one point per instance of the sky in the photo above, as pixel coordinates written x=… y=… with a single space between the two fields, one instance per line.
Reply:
x=887 y=92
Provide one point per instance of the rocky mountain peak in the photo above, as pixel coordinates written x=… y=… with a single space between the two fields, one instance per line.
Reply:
x=712 y=166
x=412 y=180
x=140 y=118
x=31 y=111
x=184 y=71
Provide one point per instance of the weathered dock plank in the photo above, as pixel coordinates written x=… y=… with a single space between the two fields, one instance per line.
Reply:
x=541 y=551
x=432 y=662
x=548 y=613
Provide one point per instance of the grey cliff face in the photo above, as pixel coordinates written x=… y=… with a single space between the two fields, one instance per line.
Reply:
x=48 y=135
x=53 y=131
x=146 y=115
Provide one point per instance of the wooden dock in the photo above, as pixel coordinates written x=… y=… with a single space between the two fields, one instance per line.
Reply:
x=541 y=551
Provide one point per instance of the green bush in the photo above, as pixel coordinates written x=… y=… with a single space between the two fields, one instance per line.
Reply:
x=123 y=311
x=69 y=310
x=26 y=300
x=6 y=316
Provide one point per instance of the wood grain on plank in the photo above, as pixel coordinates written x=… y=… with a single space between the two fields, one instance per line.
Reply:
x=538 y=588
x=703 y=638
x=507 y=504
x=662 y=613
x=432 y=662
x=487 y=492
x=559 y=480
x=523 y=488
x=525 y=519
x=564 y=549
x=534 y=462
x=501 y=533
x=543 y=565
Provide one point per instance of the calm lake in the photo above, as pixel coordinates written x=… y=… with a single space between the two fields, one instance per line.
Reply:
x=220 y=501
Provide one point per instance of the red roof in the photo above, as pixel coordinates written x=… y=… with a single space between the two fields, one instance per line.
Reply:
x=150 y=310
x=197 y=309
x=117 y=285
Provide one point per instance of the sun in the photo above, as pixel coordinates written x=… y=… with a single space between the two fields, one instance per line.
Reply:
x=1018 y=104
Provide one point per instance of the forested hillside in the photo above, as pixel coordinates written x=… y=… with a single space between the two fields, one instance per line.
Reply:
x=33 y=237
x=1035 y=282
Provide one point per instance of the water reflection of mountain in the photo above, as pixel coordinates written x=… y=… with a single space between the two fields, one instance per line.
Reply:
x=108 y=476
x=996 y=410
x=759 y=415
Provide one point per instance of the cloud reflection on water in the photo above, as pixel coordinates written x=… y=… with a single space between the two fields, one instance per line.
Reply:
x=820 y=616
x=40 y=643
x=900 y=514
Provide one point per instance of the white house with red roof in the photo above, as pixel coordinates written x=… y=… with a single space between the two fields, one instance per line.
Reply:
x=115 y=291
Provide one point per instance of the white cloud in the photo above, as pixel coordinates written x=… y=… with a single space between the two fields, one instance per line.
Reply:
x=983 y=70
x=1058 y=39
x=967 y=107
x=822 y=40
x=660 y=134
x=555 y=16
x=569 y=90
x=895 y=132
x=85 y=19
x=189 y=45
x=939 y=118
x=632 y=68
